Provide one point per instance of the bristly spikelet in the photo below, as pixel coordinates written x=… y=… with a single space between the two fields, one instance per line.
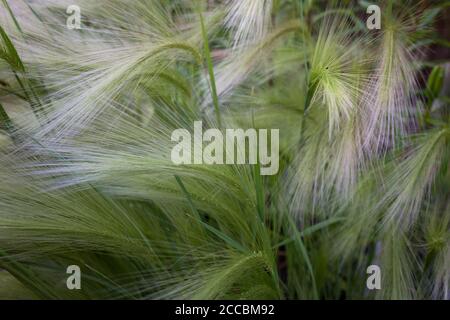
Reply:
x=337 y=72
x=182 y=259
x=441 y=283
x=361 y=220
x=399 y=266
x=437 y=250
x=346 y=163
x=324 y=168
x=305 y=187
x=411 y=181
x=330 y=157
x=249 y=20
x=389 y=103
x=90 y=71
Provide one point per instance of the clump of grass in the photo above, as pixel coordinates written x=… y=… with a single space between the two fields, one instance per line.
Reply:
x=87 y=177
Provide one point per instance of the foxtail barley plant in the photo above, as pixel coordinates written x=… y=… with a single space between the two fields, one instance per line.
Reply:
x=86 y=118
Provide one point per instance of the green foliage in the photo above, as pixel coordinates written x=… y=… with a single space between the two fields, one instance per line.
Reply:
x=87 y=179
x=8 y=52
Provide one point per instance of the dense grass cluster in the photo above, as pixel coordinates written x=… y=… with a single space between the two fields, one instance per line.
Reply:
x=86 y=177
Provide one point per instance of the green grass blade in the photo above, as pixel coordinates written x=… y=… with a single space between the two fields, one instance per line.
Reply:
x=12 y=15
x=210 y=66
x=310 y=230
x=9 y=53
x=27 y=277
x=232 y=243
x=299 y=242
